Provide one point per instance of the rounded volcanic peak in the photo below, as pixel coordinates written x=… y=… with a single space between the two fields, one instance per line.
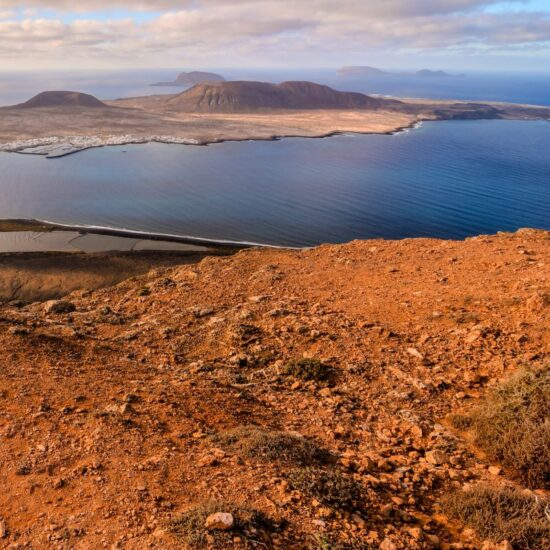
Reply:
x=63 y=99
x=198 y=77
x=234 y=96
x=245 y=96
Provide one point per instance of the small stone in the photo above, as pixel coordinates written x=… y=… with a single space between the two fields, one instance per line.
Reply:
x=494 y=470
x=437 y=457
x=3 y=529
x=434 y=540
x=387 y=544
x=207 y=460
x=359 y=521
x=220 y=521
x=490 y=545
x=58 y=483
x=320 y=523
x=258 y=299
x=59 y=306
x=204 y=312
x=416 y=533
x=415 y=353
x=125 y=408
x=473 y=336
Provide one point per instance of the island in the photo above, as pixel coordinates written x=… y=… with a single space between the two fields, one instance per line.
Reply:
x=185 y=80
x=374 y=72
x=361 y=71
x=437 y=74
x=59 y=123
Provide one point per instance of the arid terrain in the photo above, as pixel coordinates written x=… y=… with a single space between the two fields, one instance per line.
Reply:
x=45 y=275
x=285 y=399
x=59 y=123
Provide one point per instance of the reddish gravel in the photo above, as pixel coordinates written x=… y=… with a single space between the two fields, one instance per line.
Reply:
x=107 y=413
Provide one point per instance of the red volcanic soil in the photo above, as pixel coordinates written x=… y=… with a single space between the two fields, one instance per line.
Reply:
x=127 y=414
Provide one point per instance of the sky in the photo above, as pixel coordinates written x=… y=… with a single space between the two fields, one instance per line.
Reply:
x=200 y=34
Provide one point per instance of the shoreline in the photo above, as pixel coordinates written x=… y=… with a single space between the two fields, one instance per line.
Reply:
x=40 y=225
x=56 y=147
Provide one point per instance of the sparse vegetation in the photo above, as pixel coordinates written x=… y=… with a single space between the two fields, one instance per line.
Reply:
x=502 y=513
x=271 y=445
x=190 y=526
x=512 y=425
x=308 y=369
x=332 y=488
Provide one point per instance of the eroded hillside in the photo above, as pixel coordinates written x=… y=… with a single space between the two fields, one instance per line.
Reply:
x=306 y=393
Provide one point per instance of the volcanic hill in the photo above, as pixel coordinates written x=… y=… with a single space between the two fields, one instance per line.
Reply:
x=62 y=99
x=245 y=96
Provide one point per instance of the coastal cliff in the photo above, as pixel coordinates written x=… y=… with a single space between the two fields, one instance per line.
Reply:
x=286 y=399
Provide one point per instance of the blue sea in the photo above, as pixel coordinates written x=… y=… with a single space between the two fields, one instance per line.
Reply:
x=444 y=179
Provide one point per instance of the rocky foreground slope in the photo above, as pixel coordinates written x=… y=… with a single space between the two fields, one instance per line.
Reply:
x=176 y=410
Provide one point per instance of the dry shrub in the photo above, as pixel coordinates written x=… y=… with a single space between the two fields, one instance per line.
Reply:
x=512 y=425
x=309 y=370
x=502 y=513
x=190 y=528
x=271 y=445
x=332 y=488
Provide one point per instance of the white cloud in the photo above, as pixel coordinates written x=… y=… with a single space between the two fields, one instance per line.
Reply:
x=218 y=32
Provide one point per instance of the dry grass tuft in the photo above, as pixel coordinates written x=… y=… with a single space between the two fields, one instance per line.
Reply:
x=512 y=425
x=309 y=370
x=502 y=513
x=249 y=524
x=329 y=487
x=271 y=445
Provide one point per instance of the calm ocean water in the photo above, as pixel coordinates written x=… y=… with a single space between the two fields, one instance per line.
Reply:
x=445 y=179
